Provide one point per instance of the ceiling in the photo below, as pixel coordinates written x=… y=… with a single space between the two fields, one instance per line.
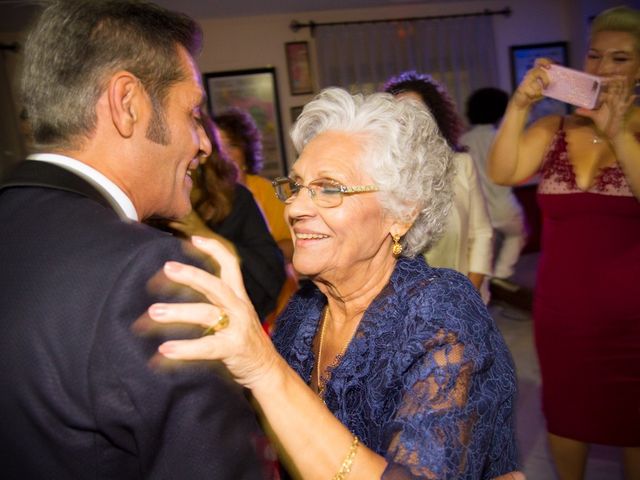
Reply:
x=16 y=14
x=241 y=8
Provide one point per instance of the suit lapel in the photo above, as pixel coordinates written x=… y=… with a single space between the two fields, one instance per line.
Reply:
x=31 y=173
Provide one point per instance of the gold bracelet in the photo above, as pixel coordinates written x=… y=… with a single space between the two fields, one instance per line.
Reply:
x=345 y=469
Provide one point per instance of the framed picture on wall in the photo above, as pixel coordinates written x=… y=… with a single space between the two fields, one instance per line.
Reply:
x=523 y=58
x=255 y=91
x=299 y=67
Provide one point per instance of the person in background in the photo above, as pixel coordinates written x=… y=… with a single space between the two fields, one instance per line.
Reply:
x=467 y=242
x=112 y=95
x=586 y=304
x=224 y=209
x=381 y=366
x=485 y=108
x=240 y=138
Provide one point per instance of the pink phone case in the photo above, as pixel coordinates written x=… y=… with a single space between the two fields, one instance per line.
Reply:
x=572 y=86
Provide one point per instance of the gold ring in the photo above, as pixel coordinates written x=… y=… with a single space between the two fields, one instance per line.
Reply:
x=221 y=324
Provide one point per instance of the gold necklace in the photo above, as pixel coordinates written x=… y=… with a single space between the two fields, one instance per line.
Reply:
x=596 y=138
x=321 y=385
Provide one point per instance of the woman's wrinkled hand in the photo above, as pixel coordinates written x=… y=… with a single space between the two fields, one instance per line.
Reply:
x=242 y=345
x=535 y=80
x=614 y=105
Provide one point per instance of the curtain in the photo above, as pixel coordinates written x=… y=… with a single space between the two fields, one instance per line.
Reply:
x=458 y=52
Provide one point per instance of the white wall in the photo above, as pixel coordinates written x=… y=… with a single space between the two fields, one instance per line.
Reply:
x=252 y=42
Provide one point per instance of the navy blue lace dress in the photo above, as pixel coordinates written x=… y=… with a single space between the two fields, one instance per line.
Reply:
x=427 y=381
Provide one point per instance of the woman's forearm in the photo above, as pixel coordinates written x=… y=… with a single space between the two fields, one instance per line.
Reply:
x=504 y=155
x=313 y=443
x=516 y=154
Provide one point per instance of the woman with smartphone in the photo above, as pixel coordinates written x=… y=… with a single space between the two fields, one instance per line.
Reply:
x=587 y=302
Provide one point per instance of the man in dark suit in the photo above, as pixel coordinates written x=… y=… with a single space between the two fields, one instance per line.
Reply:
x=113 y=96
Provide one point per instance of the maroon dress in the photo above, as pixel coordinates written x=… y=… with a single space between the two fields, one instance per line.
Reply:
x=587 y=303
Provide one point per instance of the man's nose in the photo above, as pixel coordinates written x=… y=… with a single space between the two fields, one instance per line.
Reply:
x=205 y=143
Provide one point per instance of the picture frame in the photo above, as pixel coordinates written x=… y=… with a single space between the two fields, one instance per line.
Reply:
x=255 y=91
x=523 y=58
x=299 y=68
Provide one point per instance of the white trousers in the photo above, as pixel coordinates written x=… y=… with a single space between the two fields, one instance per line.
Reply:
x=510 y=235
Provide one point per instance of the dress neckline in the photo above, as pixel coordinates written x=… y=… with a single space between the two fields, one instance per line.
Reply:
x=557 y=166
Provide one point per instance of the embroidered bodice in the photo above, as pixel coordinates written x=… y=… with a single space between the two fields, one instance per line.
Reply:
x=558 y=175
x=427 y=380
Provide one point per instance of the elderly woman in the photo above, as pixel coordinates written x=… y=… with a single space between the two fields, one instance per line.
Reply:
x=383 y=366
x=586 y=306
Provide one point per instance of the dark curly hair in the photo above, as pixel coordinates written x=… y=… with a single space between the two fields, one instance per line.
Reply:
x=241 y=128
x=436 y=99
x=486 y=105
x=215 y=180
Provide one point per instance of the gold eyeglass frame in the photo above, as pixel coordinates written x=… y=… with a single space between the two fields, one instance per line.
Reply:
x=341 y=189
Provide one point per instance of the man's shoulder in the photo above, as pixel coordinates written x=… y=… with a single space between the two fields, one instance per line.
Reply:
x=137 y=241
x=68 y=221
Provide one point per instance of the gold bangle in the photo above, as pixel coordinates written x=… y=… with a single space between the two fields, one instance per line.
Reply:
x=345 y=469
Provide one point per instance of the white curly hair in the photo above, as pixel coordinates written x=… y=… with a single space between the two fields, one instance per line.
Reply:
x=404 y=154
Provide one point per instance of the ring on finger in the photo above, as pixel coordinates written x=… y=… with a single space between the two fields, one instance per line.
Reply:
x=220 y=324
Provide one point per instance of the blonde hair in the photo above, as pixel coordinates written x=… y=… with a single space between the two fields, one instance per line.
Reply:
x=618 y=19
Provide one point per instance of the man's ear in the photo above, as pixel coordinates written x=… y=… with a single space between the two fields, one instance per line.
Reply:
x=125 y=95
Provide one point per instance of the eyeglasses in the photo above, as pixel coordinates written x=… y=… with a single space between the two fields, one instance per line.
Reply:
x=324 y=193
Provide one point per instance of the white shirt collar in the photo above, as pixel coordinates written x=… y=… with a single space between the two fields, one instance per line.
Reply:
x=95 y=178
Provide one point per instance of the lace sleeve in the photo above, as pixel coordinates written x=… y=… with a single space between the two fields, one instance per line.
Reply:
x=450 y=420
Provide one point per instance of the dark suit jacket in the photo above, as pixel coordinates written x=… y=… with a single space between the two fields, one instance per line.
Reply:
x=78 y=397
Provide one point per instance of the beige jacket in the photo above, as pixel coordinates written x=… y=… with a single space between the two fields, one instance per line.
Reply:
x=467 y=245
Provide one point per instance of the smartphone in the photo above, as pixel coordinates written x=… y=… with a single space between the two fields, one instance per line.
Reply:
x=573 y=86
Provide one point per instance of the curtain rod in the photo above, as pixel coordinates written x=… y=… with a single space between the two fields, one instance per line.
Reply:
x=295 y=25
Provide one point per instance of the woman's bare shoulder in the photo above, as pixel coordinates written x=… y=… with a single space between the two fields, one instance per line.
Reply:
x=548 y=123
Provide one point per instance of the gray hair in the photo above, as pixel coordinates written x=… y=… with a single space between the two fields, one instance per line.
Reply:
x=404 y=154
x=74 y=47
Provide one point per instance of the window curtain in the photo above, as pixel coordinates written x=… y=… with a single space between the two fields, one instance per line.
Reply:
x=458 y=52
